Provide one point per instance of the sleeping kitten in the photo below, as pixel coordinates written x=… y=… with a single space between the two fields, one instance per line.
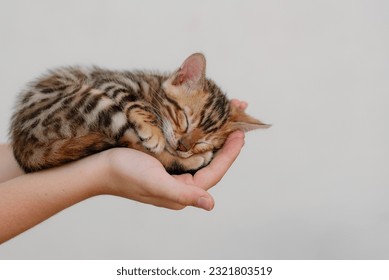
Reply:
x=181 y=119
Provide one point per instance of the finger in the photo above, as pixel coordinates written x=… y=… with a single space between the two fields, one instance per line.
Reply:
x=190 y=195
x=164 y=203
x=214 y=172
x=241 y=105
x=176 y=194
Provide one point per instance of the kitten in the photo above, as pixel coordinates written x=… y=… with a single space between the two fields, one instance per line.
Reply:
x=181 y=119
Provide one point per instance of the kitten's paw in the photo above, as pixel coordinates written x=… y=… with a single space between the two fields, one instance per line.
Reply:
x=152 y=138
x=177 y=165
x=196 y=161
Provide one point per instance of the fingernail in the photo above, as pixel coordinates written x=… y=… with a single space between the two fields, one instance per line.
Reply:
x=204 y=203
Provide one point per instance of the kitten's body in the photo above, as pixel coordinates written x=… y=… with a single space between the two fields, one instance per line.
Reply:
x=181 y=119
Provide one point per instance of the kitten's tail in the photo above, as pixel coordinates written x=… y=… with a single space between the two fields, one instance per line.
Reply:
x=45 y=155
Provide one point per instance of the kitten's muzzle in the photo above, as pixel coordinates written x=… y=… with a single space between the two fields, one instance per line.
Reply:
x=183 y=146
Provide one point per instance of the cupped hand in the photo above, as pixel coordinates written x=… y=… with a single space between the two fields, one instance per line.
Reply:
x=141 y=177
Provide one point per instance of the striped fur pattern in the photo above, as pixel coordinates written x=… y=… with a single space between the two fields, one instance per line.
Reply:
x=181 y=119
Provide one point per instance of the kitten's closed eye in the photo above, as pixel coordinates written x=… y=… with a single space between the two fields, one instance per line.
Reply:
x=182 y=122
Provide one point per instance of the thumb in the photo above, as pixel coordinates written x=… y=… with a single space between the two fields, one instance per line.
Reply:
x=193 y=196
x=187 y=195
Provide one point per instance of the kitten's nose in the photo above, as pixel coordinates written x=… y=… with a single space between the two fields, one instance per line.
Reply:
x=183 y=146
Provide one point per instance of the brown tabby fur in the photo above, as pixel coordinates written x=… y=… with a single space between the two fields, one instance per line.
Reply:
x=181 y=119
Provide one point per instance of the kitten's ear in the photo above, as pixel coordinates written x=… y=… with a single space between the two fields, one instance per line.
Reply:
x=239 y=120
x=191 y=72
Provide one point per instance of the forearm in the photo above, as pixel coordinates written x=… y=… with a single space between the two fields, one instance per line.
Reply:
x=9 y=168
x=32 y=198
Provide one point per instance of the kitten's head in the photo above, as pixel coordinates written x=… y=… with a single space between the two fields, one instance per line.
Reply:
x=199 y=117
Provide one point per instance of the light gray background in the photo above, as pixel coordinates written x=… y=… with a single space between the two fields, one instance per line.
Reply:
x=314 y=186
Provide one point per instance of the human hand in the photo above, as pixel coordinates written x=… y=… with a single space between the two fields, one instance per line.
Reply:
x=135 y=175
x=138 y=176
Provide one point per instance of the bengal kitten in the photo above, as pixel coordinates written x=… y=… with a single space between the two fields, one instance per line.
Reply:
x=181 y=119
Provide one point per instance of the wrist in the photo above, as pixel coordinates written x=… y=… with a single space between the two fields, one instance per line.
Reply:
x=94 y=173
x=101 y=173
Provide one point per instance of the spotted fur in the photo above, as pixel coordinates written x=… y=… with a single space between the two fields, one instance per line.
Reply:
x=182 y=119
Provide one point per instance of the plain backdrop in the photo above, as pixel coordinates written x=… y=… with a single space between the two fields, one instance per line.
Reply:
x=314 y=186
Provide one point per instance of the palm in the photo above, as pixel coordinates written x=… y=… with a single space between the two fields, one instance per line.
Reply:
x=150 y=183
